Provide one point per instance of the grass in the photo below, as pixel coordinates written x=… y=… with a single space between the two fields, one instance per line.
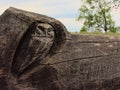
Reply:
x=96 y=33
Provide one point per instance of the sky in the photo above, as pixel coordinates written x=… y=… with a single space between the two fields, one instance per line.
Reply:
x=65 y=11
x=116 y=15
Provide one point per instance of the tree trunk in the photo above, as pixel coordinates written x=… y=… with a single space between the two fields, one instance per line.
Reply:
x=105 y=23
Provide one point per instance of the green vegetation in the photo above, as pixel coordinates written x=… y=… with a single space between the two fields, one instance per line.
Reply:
x=95 y=33
x=96 y=16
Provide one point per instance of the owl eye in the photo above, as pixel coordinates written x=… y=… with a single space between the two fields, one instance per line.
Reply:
x=41 y=28
x=50 y=31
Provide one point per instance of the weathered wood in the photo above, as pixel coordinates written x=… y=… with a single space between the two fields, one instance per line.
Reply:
x=37 y=53
x=27 y=40
x=89 y=62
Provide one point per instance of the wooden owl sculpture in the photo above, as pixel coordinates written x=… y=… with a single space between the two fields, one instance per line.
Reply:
x=34 y=47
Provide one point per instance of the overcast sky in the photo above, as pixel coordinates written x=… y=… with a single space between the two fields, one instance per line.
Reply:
x=64 y=10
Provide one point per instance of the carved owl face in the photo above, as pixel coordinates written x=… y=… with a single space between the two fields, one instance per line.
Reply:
x=34 y=46
x=44 y=30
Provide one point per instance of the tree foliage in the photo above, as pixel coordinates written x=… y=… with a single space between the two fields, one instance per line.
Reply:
x=116 y=3
x=96 y=16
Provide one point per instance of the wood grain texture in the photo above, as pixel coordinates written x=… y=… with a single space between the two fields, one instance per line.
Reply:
x=71 y=62
x=89 y=62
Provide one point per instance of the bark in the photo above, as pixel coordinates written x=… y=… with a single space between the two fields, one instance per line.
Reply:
x=104 y=17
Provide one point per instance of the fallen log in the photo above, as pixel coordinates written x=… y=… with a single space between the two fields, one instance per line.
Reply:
x=38 y=53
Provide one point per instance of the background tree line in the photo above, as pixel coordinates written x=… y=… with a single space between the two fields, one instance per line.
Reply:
x=96 y=15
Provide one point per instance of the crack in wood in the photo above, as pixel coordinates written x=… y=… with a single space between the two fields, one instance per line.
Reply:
x=78 y=59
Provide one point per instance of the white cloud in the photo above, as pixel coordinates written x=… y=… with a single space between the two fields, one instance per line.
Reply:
x=61 y=7
x=116 y=15
x=65 y=10
x=71 y=24
x=55 y=8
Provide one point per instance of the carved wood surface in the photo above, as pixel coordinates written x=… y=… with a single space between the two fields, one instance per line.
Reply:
x=89 y=62
x=37 y=53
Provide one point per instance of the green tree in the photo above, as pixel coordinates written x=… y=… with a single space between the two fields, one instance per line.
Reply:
x=116 y=3
x=96 y=16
